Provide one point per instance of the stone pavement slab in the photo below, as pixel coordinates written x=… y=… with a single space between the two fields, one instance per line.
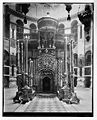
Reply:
x=9 y=94
x=85 y=105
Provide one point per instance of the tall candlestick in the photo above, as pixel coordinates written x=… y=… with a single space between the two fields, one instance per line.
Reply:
x=65 y=60
x=22 y=55
x=71 y=68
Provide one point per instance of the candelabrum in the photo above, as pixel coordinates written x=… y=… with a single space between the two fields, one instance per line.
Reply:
x=71 y=66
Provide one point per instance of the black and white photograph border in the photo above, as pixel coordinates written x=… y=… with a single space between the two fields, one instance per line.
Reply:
x=48 y=59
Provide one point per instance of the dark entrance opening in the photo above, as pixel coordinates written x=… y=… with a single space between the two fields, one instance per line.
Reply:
x=46 y=84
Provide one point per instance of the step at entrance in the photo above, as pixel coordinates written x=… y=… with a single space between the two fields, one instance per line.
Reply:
x=44 y=95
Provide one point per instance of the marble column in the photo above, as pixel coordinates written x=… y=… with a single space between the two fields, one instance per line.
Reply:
x=57 y=74
x=22 y=60
x=18 y=51
x=92 y=39
x=39 y=40
x=18 y=66
x=54 y=40
x=26 y=59
x=61 y=80
x=65 y=60
x=29 y=81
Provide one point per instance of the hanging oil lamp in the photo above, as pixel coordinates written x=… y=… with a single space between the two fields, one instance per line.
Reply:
x=68 y=8
x=25 y=10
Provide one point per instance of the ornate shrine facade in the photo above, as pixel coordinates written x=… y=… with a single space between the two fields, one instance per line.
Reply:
x=41 y=61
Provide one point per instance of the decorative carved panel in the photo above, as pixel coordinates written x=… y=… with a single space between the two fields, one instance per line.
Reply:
x=47 y=62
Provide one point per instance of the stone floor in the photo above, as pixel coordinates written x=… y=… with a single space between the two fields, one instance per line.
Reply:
x=45 y=105
x=39 y=104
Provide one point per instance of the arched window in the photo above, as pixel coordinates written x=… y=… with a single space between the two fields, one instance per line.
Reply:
x=20 y=29
x=80 y=62
x=13 y=70
x=19 y=8
x=88 y=58
x=75 y=59
x=80 y=31
x=6 y=57
x=61 y=28
x=32 y=28
x=74 y=29
x=32 y=31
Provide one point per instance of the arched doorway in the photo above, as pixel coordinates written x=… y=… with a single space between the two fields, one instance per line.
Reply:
x=46 y=84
